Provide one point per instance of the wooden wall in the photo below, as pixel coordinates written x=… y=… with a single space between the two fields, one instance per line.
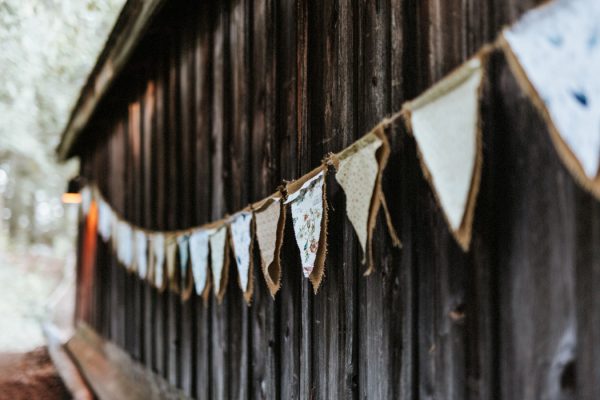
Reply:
x=225 y=99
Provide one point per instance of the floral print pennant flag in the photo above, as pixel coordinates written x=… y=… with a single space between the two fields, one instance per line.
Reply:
x=309 y=217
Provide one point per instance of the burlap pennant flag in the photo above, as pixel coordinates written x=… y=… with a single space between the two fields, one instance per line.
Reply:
x=157 y=241
x=219 y=261
x=141 y=254
x=309 y=216
x=241 y=243
x=124 y=244
x=171 y=257
x=269 y=218
x=105 y=220
x=359 y=170
x=198 y=244
x=445 y=124
x=554 y=52
x=186 y=281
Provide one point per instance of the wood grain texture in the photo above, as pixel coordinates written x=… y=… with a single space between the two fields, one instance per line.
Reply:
x=235 y=97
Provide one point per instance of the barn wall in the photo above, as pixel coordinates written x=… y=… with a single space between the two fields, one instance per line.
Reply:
x=225 y=99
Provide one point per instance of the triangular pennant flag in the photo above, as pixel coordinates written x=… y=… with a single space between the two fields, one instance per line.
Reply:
x=171 y=254
x=158 y=252
x=124 y=242
x=309 y=216
x=554 y=52
x=105 y=220
x=270 y=222
x=86 y=200
x=445 y=125
x=359 y=169
x=241 y=240
x=185 y=283
x=219 y=261
x=199 y=257
x=141 y=253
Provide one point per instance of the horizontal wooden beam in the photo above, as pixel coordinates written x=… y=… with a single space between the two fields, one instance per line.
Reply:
x=112 y=374
x=133 y=22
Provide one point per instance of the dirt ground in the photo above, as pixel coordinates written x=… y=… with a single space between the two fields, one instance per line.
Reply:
x=30 y=376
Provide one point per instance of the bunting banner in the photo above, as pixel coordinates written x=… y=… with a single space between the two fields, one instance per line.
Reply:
x=269 y=216
x=359 y=169
x=445 y=124
x=198 y=246
x=141 y=254
x=554 y=52
x=241 y=243
x=219 y=261
x=309 y=216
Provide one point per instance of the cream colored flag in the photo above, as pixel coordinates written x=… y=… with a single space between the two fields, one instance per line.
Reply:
x=270 y=221
x=445 y=124
x=357 y=172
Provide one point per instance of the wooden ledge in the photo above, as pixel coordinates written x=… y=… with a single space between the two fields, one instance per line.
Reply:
x=111 y=373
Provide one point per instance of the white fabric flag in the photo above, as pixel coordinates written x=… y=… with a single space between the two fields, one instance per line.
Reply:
x=141 y=253
x=307 y=216
x=124 y=248
x=105 y=220
x=558 y=48
x=444 y=123
x=357 y=174
x=241 y=238
x=217 y=256
x=158 y=250
x=198 y=245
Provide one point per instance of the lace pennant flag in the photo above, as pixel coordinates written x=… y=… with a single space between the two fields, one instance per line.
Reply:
x=219 y=261
x=124 y=242
x=199 y=258
x=269 y=218
x=171 y=257
x=445 y=124
x=105 y=220
x=141 y=253
x=554 y=52
x=185 y=283
x=359 y=170
x=309 y=216
x=157 y=240
x=241 y=241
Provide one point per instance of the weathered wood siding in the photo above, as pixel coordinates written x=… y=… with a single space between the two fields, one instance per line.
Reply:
x=225 y=99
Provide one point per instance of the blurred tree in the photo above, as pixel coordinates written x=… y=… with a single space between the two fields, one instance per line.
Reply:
x=47 y=48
